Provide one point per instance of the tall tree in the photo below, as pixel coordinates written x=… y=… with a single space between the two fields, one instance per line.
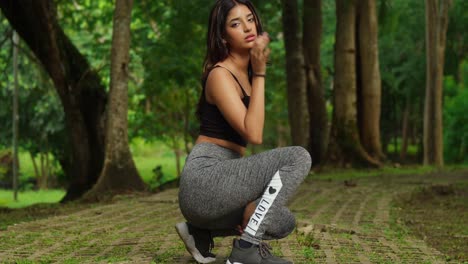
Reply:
x=15 y=116
x=345 y=145
x=119 y=172
x=369 y=81
x=436 y=30
x=81 y=93
x=297 y=99
x=312 y=36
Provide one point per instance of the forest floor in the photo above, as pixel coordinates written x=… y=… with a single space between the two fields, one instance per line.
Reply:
x=381 y=219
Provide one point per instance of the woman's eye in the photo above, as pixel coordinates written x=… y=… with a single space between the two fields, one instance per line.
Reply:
x=235 y=25
x=251 y=19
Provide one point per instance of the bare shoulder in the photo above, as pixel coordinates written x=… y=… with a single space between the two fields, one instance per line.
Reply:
x=220 y=83
x=219 y=76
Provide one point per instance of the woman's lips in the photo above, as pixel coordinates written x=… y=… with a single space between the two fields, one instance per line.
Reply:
x=250 y=38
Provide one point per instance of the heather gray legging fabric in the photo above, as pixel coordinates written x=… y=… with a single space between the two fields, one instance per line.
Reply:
x=216 y=184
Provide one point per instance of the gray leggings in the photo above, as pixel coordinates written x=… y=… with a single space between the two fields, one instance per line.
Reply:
x=216 y=184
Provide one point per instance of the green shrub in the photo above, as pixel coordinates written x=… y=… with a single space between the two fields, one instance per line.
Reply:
x=456 y=118
x=156 y=180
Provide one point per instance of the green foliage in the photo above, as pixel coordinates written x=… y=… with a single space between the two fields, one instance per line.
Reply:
x=456 y=50
x=455 y=118
x=167 y=51
x=156 y=180
x=41 y=117
x=402 y=65
x=171 y=52
x=276 y=119
x=327 y=48
x=88 y=24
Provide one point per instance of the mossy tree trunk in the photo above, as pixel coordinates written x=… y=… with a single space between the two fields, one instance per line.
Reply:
x=296 y=79
x=345 y=146
x=119 y=172
x=436 y=31
x=405 y=130
x=369 y=81
x=318 y=129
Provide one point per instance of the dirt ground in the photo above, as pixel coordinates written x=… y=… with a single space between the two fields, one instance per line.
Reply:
x=380 y=219
x=438 y=214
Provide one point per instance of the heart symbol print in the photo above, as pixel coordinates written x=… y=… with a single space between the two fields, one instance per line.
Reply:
x=271 y=190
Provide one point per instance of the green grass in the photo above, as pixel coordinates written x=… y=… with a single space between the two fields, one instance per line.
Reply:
x=411 y=150
x=27 y=198
x=346 y=174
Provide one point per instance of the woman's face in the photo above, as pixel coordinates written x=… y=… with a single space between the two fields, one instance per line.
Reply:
x=241 y=29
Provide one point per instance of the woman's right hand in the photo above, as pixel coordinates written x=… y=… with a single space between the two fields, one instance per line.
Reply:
x=259 y=53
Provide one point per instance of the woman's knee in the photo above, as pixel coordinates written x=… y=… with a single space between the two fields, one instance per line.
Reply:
x=302 y=159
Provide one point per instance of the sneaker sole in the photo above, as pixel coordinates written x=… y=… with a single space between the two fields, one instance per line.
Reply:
x=189 y=243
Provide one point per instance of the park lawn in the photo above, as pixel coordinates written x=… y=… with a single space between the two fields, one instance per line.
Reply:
x=27 y=198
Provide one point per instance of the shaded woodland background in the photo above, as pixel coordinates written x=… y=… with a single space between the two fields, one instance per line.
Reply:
x=358 y=83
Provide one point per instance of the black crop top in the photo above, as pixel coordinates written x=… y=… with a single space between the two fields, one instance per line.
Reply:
x=212 y=122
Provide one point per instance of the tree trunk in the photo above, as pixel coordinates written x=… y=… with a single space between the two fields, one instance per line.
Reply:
x=81 y=93
x=36 y=171
x=119 y=172
x=47 y=176
x=178 y=154
x=41 y=179
x=461 y=151
x=188 y=143
x=436 y=31
x=369 y=81
x=318 y=129
x=280 y=132
x=345 y=146
x=404 y=131
x=296 y=79
x=15 y=117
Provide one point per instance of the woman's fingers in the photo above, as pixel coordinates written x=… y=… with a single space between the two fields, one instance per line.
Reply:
x=260 y=52
x=266 y=52
x=263 y=40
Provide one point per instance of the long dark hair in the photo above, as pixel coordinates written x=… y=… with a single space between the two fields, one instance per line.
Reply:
x=216 y=49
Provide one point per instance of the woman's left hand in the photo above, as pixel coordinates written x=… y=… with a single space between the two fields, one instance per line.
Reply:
x=259 y=53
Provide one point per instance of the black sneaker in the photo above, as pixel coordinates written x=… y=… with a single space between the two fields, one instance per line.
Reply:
x=198 y=242
x=256 y=254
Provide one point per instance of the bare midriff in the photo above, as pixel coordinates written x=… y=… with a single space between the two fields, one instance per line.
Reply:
x=221 y=142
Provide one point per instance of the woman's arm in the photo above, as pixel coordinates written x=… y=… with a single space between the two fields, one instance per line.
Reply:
x=221 y=89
